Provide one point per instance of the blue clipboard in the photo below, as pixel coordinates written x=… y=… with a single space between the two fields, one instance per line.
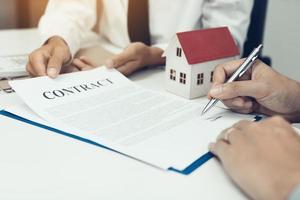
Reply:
x=188 y=170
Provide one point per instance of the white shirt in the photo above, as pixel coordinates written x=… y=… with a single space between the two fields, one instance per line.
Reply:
x=74 y=20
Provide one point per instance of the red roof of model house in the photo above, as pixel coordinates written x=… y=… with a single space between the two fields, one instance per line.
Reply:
x=207 y=45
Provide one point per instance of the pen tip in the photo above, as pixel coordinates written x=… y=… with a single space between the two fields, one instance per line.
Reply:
x=203 y=112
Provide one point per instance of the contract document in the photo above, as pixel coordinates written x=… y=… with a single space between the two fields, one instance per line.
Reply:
x=104 y=106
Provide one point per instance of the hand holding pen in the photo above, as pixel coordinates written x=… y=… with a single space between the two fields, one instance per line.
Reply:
x=243 y=68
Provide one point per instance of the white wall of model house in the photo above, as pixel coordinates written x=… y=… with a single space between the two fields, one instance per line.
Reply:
x=179 y=65
x=183 y=79
x=207 y=69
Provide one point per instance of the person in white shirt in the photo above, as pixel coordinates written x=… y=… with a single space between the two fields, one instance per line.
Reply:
x=66 y=24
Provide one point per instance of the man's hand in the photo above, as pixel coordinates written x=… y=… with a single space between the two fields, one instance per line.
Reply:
x=261 y=90
x=49 y=59
x=136 y=56
x=262 y=158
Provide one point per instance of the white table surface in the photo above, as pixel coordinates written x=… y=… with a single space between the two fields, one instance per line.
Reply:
x=18 y=42
x=38 y=164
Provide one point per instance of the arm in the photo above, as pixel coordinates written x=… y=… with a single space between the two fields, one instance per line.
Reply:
x=71 y=20
x=62 y=28
x=232 y=13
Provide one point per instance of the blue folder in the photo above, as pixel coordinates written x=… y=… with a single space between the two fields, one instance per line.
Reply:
x=188 y=170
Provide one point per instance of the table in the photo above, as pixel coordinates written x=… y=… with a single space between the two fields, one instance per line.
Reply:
x=18 y=42
x=38 y=164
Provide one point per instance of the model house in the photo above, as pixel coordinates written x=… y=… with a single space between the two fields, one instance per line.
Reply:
x=191 y=58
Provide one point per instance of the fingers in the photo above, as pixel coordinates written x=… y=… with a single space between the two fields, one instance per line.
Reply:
x=128 y=61
x=87 y=61
x=120 y=59
x=55 y=63
x=69 y=69
x=242 y=125
x=49 y=59
x=128 y=68
x=225 y=134
x=233 y=134
x=29 y=69
x=223 y=71
x=220 y=149
x=229 y=139
x=255 y=89
x=37 y=63
x=134 y=57
x=138 y=52
x=239 y=102
x=242 y=105
x=82 y=64
x=79 y=64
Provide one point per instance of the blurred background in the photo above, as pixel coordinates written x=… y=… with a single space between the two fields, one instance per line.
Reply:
x=21 y=13
x=281 y=37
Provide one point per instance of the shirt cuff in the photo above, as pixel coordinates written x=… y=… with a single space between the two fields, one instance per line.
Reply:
x=63 y=29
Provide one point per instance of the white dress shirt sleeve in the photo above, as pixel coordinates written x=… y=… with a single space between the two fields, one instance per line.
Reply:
x=70 y=19
x=232 y=13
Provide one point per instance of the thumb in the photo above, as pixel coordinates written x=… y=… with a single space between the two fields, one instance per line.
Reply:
x=235 y=89
x=55 y=64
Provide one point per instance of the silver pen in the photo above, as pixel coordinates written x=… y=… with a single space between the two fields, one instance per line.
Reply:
x=237 y=74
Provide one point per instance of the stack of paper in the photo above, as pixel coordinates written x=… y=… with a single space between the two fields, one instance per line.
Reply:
x=105 y=107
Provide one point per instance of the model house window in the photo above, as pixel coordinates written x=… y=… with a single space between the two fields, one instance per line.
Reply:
x=179 y=52
x=211 y=76
x=182 y=78
x=173 y=74
x=200 y=79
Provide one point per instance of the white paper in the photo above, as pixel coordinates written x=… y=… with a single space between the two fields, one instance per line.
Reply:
x=104 y=106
